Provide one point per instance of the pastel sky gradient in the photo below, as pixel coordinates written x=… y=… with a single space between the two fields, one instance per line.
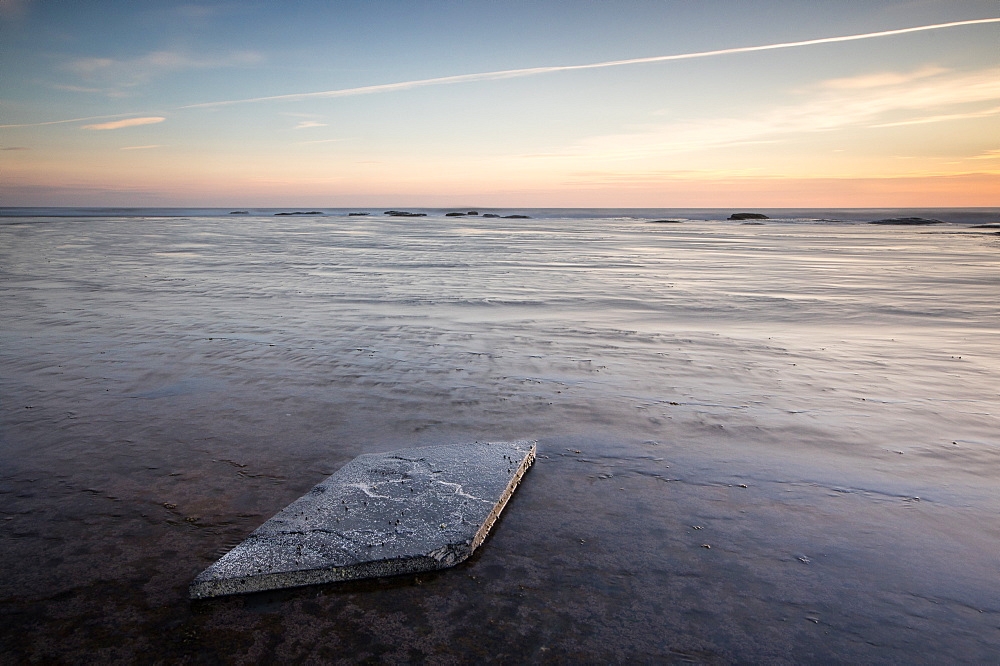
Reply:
x=576 y=103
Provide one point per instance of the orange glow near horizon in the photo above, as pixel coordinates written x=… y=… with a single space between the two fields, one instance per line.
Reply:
x=863 y=118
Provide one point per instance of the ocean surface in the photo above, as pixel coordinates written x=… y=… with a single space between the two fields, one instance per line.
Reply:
x=775 y=441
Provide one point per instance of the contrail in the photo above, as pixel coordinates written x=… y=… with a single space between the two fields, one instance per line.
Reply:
x=532 y=71
x=71 y=120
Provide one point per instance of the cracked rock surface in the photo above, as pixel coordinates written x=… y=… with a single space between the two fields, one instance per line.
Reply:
x=380 y=515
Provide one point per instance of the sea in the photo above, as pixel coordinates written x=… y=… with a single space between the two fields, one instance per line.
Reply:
x=760 y=440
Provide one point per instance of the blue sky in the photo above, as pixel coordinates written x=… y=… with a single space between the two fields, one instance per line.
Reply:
x=155 y=95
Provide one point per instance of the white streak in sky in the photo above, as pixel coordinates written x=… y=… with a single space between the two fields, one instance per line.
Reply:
x=516 y=73
x=71 y=120
x=128 y=122
x=532 y=71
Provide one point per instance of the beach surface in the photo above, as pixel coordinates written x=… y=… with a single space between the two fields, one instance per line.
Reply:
x=775 y=442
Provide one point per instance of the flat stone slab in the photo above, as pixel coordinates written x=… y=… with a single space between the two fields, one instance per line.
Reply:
x=381 y=514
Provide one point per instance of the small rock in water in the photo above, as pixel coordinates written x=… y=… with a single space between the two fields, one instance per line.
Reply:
x=403 y=213
x=748 y=216
x=907 y=221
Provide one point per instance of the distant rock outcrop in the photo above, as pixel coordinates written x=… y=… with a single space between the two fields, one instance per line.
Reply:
x=303 y=212
x=403 y=213
x=239 y=212
x=357 y=214
x=664 y=221
x=454 y=214
x=490 y=215
x=909 y=221
x=748 y=216
x=516 y=217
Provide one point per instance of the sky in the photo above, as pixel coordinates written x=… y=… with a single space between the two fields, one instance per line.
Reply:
x=512 y=103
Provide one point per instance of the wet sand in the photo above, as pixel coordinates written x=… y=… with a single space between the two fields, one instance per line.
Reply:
x=756 y=443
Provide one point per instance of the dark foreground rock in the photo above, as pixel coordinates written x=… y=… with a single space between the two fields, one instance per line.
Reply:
x=911 y=221
x=381 y=514
x=748 y=216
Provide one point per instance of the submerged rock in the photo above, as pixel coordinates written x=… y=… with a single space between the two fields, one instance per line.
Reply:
x=381 y=514
x=454 y=214
x=357 y=214
x=907 y=221
x=748 y=216
x=516 y=217
x=664 y=221
x=239 y=212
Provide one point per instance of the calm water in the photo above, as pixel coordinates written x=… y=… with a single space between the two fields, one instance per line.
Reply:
x=818 y=402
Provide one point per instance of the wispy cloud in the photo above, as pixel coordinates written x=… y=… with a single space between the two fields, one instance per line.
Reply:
x=922 y=98
x=305 y=124
x=881 y=79
x=155 y=145
x=128 y=122
x=533 y=71
x=130 y=72
x=79 y=89
x=988 y=155
x=68 y=120
x=984 y=113
x=306 y=143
